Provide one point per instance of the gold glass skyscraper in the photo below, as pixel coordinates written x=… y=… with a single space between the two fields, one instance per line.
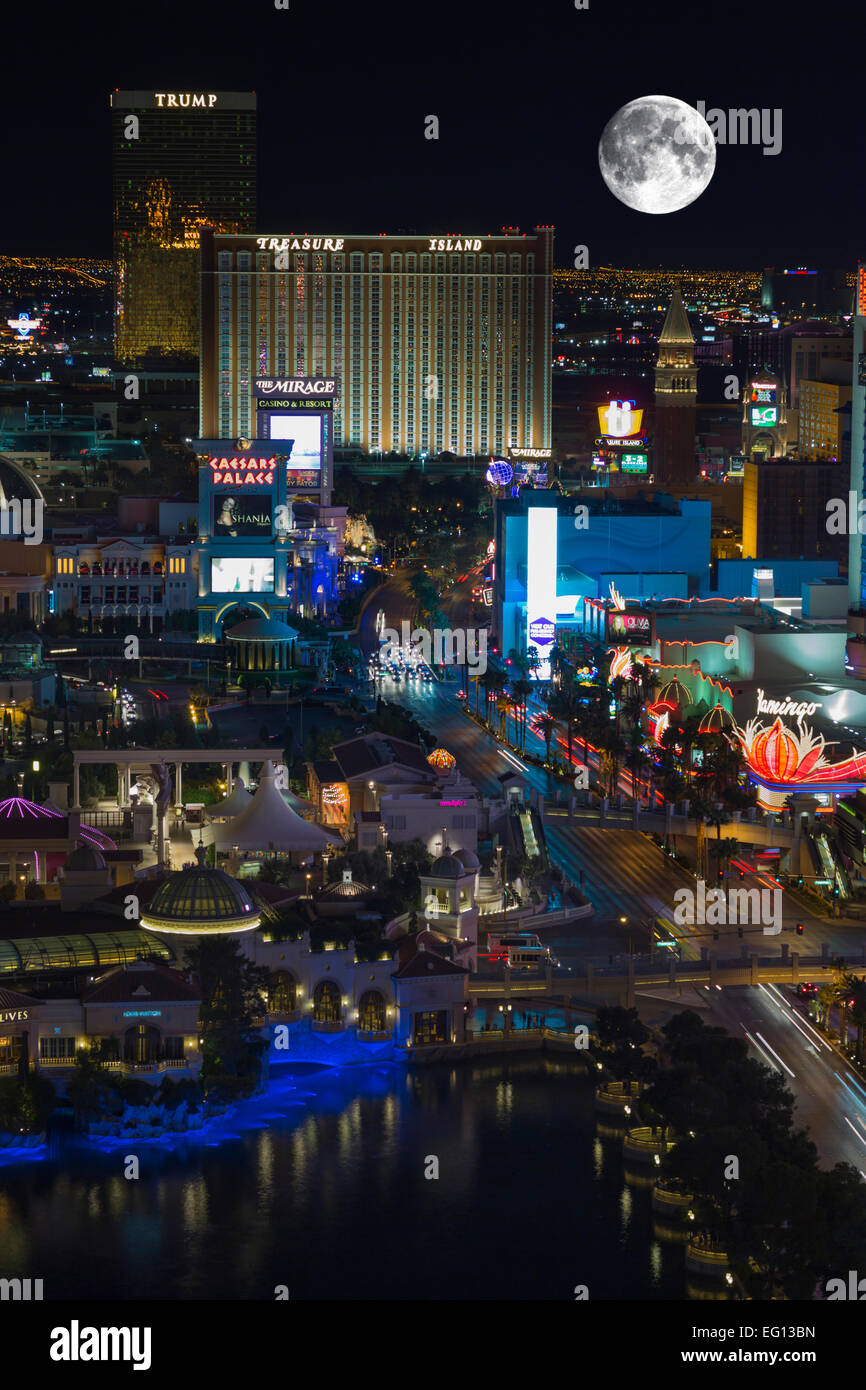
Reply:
x=181 y=161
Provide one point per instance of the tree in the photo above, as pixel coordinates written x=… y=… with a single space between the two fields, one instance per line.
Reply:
x=233 y=994
x=855 y=988
x=546 y=725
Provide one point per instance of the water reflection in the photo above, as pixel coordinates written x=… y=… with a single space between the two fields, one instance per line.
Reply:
x=322 y=1188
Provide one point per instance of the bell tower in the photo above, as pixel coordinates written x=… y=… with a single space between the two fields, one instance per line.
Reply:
x=676 y=393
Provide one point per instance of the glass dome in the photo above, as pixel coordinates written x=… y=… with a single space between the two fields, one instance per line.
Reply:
x=201 y=902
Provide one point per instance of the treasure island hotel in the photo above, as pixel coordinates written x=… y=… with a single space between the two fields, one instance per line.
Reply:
x=435 y=342
x=181 y=161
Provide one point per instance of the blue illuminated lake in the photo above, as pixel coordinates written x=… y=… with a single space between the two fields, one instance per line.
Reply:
x=319 y=1185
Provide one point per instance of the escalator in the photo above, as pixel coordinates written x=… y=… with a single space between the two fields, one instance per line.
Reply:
x=528 y=834
x=829 y=864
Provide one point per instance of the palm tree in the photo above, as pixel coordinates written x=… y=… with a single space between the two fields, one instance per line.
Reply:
x=825 y=1000
x=494 y=685
x=725 y=850
x=520 y=689
x=563 y=705
x=717 y=816
x=546 y=725
x=700 y=809
x=855 y=987
x=635 y=759
x=615 y=747
x=482 y=681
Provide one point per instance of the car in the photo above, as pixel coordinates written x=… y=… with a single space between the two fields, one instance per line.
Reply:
x=806 y=991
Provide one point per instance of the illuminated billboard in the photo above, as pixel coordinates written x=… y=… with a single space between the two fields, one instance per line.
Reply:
x=300 y=439
x=630 y=627
x=247 y=514
x=619 y=419
x=242 y=575
x=764 y=415
x=531 y=466
x=542 y=540
x=763 y=392
x=299 y=412
x=634 y=463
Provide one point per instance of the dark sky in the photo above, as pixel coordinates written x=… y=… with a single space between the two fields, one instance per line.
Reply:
x=522 y=93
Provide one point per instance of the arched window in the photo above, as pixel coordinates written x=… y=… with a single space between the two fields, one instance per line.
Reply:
x=282 y=992
x=327 y=1007
x=371 y=1012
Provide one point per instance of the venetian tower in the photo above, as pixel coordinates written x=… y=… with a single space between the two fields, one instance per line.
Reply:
x=675 y=401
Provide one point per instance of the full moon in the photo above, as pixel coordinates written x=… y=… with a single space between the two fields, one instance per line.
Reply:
x=657 y=154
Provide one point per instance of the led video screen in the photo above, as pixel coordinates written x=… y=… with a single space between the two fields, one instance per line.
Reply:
x=242 y=575
x=237 y=515
x=301 y=439
x=764 y=414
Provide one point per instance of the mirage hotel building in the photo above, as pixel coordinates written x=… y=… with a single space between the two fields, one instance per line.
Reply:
x=435 y=342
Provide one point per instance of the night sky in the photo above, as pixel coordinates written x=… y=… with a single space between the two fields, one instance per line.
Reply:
x=522 y=94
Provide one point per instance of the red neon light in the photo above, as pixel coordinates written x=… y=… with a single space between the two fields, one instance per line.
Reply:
x=783 y=758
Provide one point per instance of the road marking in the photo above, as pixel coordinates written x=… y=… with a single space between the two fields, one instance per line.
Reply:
x=758 y=1049
x=850 y=1126
x=775 y=1054
x=786 y=1010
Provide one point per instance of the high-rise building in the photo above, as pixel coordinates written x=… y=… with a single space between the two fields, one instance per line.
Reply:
x=856 y=570
x=822 y=419
x=676 y=394
x=436 y=343
x=818 y=357
x=181 y=161
x=785 y=510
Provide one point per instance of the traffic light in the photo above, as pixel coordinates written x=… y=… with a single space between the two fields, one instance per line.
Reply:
x=799 y=928
x=740 y=932
x=715 y=936
x=720 y=873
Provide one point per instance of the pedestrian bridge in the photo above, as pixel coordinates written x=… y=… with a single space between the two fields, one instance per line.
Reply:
x=622 y=984
x=759 y=830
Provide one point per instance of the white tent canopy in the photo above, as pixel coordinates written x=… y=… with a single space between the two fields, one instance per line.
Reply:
x=231 y=805
x=268 y=823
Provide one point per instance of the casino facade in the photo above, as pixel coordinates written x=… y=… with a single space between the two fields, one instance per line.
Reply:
x=268 y=539
x=436 y=343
